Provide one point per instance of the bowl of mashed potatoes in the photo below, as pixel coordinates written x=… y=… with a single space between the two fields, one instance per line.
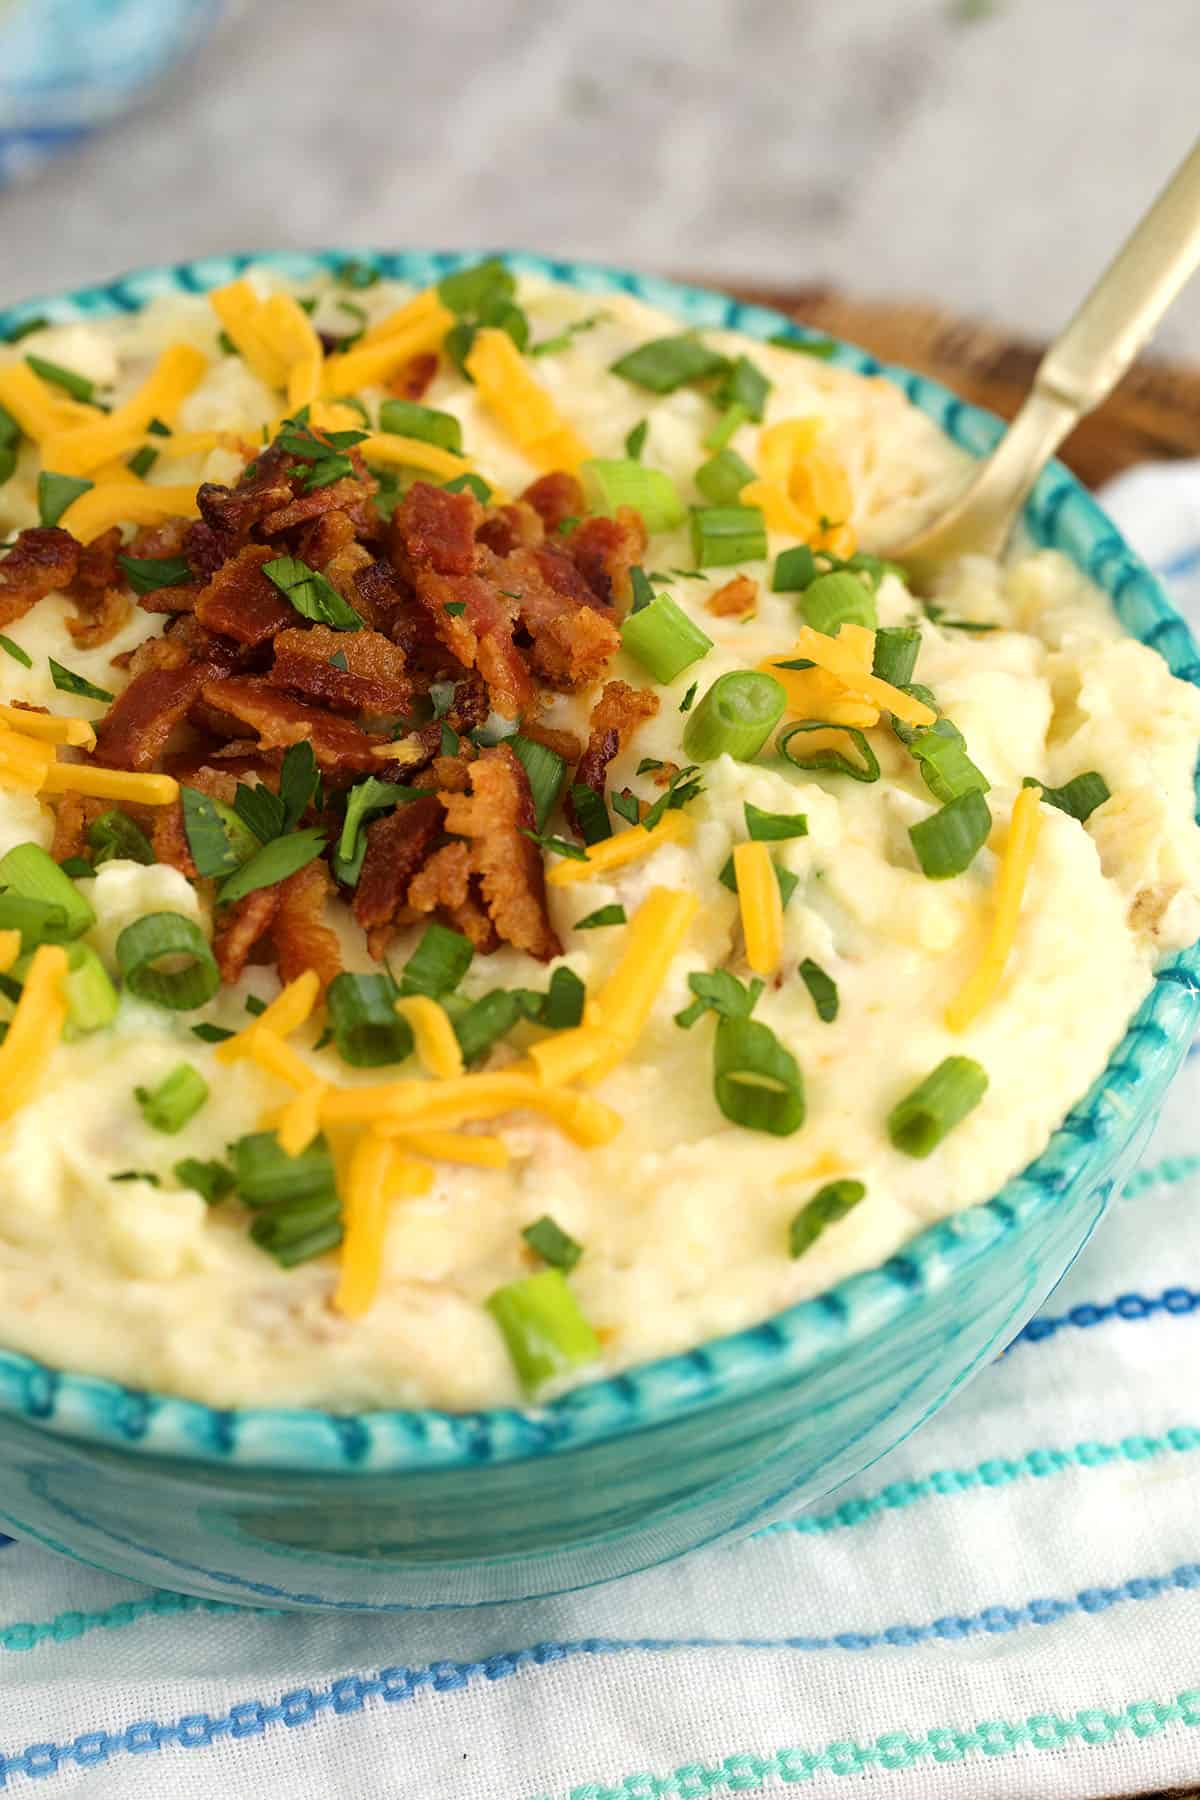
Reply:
x=553 y=1006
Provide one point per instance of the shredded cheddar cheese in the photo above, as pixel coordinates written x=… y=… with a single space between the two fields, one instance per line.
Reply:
x=369 y=365
x=761 y=906
x=269 y=1051
x=454 y=1146
x=300 y=1120
x=110 y=784
x=126 y=503
x=50 y=728
x=24 y=762
x=34 y=1030
x=521 y=405
x=842 y=659
x=423 y=309
x=364 y=1211
x=39 y=409
x=291 y=1008
x=402 y=1104
x=625 y=847
x=10 y=949
x=239 y=310
x=570 y=1054
x=802 y=486
x=83 y=449
x=411 y=453
x=437 y=1047
x=1023 y=832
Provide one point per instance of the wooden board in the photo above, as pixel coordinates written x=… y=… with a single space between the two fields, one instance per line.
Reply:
x=1153 y=415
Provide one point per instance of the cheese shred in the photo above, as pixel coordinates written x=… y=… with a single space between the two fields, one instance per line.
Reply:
x=761 y=906
x=625 y=847
x=34 y=1029
x=1023 y=833
x=437 y=1046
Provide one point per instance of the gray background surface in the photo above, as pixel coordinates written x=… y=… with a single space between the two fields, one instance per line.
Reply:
x=987 y=153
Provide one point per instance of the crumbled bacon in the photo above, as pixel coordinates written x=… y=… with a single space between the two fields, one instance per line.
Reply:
x=736 y=598
x=241 y=927
x=338 y=745
x=204 y=548
x=302 y=938
x=242 y=603
x=415 y=376
x=388 y=604
x=494 y=816
x=264 y=487
x=511 y=527
x=555 y=497
x=71 y=819
x=572 y=642
x=374 y=679
x=563 y=743
x=350 y=492
x=480 y=636
x=435 y=529
x=135 y=731
x=615 y=717
x=446 y=885
x=101 y=605
x=42 y=559
x=397 y=846
x=606 y=550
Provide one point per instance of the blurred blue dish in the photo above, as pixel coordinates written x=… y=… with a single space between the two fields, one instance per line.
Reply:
x=396 y=1510
x=68 y=66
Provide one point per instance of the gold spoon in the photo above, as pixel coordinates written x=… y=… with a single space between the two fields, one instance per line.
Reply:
x=1078 y=371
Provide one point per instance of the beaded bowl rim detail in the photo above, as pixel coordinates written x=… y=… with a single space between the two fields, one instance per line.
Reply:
x=1060 y=514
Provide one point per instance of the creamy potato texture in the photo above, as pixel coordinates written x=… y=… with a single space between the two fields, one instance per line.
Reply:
x=683 y=1217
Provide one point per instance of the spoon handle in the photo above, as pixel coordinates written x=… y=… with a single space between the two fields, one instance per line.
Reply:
x=1091 y=354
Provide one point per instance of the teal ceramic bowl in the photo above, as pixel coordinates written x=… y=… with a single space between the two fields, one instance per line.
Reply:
x=396 y=1510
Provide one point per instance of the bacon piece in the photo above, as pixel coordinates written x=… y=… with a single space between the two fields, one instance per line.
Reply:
x=498 y=810
x=446 y=885
x=397 y=846
x=242 y=603
x=563 y=743
x=351 y=493
x=573 y=642
x=374 y=680
x=474 y=921
x=302 y=938
x=389 y=604
x=615 y=717
x=556 y=497
x=606 y=549
x=737 y=597
x=278 y=720
x=134 y=732
x=241 y=927
x=71 y=819
x=414 y=376
x=435 y=529
x=42 y=559
x=264 y=487
x=101 y=607
x=328 y=534
x=480 y=636
x=511 y=527
x=162 y=541
x=169 y=839
x=205 y=548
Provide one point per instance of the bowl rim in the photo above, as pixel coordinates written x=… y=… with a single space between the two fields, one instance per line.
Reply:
x=721 y=1370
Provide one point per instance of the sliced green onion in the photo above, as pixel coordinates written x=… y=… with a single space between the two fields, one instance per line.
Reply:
x=728 y=422
x=562 y=1007
x=683 y=786
x=254 y=1006
x=663 y=639
x=826 y=1207
x=557 y=846
x=906 y=733
x=367 y=1029
x=822 y=348
x=212 y=1034
x=149 y=573
x=272 y=864
x=114 y=837
x=38 y=921
x=486 y=1021
x=918 y=1123
x=735 y=717
x=470 y=484
x=718 y=991
x=591 y=814
x=16 y=652
x=299 y=1230
x=546 y=771
x=213 y=1181
x=365 y=800
x=946 y=769
x=949 y=841
x=639 y=583
x=176 y=1099
x=635 y=443
x=896 y=648
x=769 y=827
x=822 y=988
x=164 y=958
x=552 y=1244
x=794 y=570
x=544 y=1331
x=1079 y=797
x=610 y=483
x=472 y=290
x=311 y=594
x=56 y=492
x=356 y=274
x=685 y=705
x=668 y=363
x=836 y=600
x=832 y=761
x=68 y=682
x=89 y=993
x=756 y=1081
x=142 y=461
x=77 y=867
x=217 y=839
x=26 y=328
x=30 y=871
x=438 y=963
x=746 y=387
x=78 y=386
x=722 y=478
x=603 y=915
x=727 y=534
x=266 y=1176
x=408 y=418
x=10 y=431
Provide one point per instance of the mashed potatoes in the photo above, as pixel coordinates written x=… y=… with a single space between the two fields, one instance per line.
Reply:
x=112 y=1265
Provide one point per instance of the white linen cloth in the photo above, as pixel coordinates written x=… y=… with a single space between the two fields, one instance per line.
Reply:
x=1007 y=1605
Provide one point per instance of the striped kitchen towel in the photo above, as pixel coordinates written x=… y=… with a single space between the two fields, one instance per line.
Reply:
x=1007 y=1605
